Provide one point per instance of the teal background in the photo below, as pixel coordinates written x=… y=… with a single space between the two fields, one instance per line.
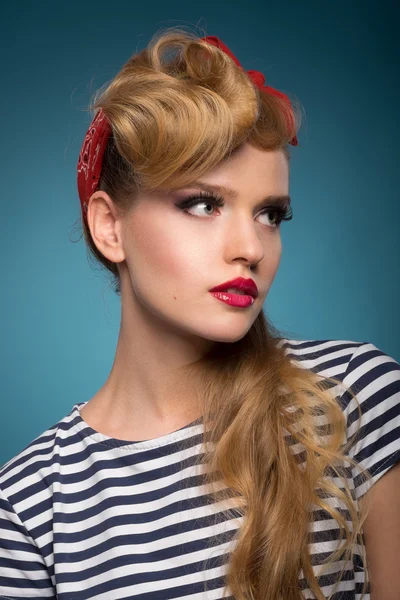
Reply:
x=339 y=275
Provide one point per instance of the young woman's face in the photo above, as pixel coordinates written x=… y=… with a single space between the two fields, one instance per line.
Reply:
x=173 y=257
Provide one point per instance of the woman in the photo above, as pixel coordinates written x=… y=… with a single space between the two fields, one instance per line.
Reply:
x=219 y=460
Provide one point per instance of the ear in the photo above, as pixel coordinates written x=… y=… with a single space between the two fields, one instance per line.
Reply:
x=105 y=226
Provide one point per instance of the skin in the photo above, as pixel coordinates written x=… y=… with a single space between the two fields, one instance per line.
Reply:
x=168 y=261
x=382 y=535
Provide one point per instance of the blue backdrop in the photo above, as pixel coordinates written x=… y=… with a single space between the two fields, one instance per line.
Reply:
x=339 y=274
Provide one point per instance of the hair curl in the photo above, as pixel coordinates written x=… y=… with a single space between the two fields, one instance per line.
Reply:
x=177 y=109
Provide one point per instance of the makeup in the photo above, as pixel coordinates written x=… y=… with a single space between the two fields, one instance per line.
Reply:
x=238 y=300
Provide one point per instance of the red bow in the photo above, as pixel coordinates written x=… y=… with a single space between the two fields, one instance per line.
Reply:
x=256 y=76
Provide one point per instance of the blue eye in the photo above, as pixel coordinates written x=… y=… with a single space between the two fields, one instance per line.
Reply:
x=282 y=211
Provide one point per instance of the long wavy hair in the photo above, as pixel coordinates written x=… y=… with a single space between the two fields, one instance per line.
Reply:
x=177 y=109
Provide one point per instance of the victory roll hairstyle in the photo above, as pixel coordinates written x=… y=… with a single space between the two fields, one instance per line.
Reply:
x=177 y=109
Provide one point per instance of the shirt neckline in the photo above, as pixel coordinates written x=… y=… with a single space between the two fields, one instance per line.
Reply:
x=186 y=431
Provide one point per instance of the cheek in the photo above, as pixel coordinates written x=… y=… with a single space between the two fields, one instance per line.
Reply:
x=164 y=250
x=272 y=258
x=277 y=253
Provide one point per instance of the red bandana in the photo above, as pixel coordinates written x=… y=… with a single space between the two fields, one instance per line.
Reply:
x=91 y=155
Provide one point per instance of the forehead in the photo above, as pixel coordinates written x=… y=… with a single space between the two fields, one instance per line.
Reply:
x=250 y=153
x=248 y=171
x=249 y=165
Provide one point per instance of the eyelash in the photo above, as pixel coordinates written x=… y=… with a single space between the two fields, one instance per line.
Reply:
x=283 y=211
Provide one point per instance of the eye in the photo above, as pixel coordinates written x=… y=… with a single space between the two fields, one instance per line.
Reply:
x=279 y=211
x=208 y=200
x=282 y=213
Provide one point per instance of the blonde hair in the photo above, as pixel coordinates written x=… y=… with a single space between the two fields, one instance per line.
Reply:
x=177 y=109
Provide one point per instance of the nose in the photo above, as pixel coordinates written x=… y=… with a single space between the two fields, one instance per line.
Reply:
x=244 y=242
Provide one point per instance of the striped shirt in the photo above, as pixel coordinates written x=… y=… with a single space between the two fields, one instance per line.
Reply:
x=86 y=516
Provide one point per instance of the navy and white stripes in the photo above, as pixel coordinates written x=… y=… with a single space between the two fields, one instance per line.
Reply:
x=84 y=516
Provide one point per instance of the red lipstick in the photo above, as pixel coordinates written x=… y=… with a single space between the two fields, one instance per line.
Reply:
x=240 y=284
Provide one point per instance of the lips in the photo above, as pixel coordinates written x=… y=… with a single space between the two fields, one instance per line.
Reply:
x=247 y=286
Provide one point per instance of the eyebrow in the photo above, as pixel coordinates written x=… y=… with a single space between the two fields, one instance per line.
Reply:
x=227 y=191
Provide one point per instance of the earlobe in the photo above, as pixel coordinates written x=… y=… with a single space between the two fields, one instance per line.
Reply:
x=105 y=226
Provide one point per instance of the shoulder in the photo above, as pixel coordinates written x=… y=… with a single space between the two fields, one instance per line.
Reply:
x=28 y=486
x=28 y=477
x=330 y=358
x=373 y=416
x=353 y=363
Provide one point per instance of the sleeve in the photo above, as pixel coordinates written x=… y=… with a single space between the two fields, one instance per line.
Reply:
x=374 y=377
x=23 y=572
